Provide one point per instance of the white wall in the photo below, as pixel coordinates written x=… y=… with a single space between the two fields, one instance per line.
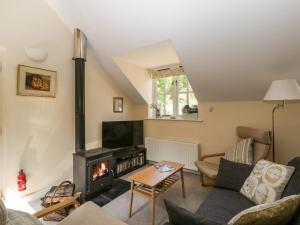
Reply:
x=100 y=91
x=138 y=76
x=216 y=133
x=2 y=68
x=38 y=133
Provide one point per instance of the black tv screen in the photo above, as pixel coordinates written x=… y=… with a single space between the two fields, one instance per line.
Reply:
x=118 y=134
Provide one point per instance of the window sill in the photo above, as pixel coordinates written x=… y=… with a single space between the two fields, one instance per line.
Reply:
x=168 y=119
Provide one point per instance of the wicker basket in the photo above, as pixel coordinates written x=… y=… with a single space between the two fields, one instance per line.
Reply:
x=56 y=195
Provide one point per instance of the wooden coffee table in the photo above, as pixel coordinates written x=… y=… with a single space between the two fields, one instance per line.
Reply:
x=151 y=183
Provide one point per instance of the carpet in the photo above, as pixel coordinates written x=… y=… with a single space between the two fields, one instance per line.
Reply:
x=119 y=207
x=118 y=188
x=195 y=194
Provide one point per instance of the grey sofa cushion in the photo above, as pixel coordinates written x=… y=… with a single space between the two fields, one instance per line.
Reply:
x=3 y=213
x=181 y=216
x=221 y=205
x=232 y=175
x=293 y=187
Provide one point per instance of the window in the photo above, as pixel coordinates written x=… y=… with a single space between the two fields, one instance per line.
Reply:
x=172 y=94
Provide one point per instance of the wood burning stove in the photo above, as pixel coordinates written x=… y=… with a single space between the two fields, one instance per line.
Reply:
x=92 y=172
x=92 y=169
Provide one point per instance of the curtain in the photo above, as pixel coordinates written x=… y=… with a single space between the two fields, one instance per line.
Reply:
x=167 y=72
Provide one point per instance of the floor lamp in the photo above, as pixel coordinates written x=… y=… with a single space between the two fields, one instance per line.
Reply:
x=281 y=90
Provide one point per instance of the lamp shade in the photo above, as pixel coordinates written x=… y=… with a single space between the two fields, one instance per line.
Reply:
x=283 y=90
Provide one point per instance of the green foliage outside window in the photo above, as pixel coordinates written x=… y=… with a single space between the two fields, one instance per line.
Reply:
x=168 y=88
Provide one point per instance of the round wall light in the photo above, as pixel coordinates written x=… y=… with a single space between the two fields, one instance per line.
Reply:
x=36 y=54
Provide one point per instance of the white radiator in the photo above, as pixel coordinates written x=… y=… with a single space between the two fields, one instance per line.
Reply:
x=182 y=152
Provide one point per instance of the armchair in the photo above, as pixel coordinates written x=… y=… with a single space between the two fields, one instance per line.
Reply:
x=261 y=147
x=87 y=214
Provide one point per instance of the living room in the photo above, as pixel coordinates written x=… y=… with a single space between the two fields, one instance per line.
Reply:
x=188 y=81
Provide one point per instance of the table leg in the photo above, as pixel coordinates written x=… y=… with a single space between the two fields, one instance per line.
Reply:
x=131 y=198
x=182 y=183
x=153 y=204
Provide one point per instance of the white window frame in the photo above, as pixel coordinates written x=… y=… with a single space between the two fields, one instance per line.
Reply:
x=175 y=95
x=188 y=91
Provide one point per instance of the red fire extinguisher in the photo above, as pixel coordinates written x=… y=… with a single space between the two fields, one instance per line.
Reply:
x=21 y=179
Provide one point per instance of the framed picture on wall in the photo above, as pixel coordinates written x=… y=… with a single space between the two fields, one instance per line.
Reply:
x=34 y=81
x=118 y=104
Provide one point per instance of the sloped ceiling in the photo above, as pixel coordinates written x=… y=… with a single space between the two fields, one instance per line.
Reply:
x=153 y=56
x=230 y=49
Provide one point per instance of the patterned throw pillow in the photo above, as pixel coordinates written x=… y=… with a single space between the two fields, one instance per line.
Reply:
x=241 y=152
x=266 y=182
x=3 y=213
x=280 y=212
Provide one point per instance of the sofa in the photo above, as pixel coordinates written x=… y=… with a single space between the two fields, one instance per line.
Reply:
x=222 y=204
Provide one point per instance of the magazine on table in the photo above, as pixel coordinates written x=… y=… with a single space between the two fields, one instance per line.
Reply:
x=164 y=168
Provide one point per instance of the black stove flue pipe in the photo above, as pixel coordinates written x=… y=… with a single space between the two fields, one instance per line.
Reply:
x=79 y=56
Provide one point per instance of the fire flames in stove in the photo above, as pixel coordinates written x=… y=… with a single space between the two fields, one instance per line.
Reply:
x=100 y=169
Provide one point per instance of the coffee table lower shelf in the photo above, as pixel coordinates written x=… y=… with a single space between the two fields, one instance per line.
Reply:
x=146 y=190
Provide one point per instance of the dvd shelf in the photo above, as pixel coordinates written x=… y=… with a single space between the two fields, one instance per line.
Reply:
x=129 y=162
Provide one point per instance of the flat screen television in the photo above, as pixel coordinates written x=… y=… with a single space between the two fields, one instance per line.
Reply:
x=118 y=134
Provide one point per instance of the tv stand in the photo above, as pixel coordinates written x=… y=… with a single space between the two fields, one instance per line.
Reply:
x=128 y=159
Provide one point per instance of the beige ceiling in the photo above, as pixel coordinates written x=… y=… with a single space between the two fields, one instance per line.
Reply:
x=230 y=49
x=152 y=56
